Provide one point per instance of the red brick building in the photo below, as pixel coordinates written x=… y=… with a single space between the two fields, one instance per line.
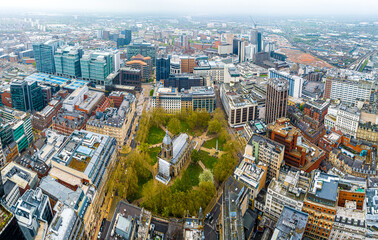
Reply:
x=316 y=110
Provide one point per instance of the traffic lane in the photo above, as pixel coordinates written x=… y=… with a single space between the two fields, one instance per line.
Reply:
x=105 y=230
x=210 y=228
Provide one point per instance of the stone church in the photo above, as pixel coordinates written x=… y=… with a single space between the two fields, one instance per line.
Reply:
x=174 y=155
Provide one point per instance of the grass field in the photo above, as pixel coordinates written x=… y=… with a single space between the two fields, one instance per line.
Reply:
x=190 y=178
x=207 y=160
x=153 y=152
x=212 y=144
x=155 y=135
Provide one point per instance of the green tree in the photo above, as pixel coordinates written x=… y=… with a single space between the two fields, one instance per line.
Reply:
x=214 y=126
x=206 y=176
x=144 y=147
x=195 y=156
x=224 y=167
x=151 y=92
x=174 y=126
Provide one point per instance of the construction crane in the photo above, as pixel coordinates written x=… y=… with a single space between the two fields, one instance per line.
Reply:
x=253 y=21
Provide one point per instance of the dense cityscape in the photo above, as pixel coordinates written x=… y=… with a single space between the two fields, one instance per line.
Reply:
x=191 y=127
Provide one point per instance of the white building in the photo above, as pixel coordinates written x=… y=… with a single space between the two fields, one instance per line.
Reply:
x=250 y=52
x=116 y=61
x=74 y=98
x=288 y=191
x=349 y=224
x=347 y=120
x=231 y=74
x=347 y=91
x=225 y=49
x=295 y=82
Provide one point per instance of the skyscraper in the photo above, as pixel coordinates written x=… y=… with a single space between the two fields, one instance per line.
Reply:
x=256 y=39
x=67 y=61
x=26 y=96
x=163 y=66
x=128 y=37
x=44 y=55
x=235 y=46
x=276 y=99
x=241 y=51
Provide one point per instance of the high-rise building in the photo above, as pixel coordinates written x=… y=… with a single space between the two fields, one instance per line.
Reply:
x=67 y=61
x=276 y=99
x=163 y=68
x=235 y=46
x=256 y=39
x=348 y=91
x=241 y=51
x=96 y=66
x=295 y=82
x=145 y=49
x=16 y=126
x=187 y=64
x=26 y=96
x=128 y=37
x=44 y=55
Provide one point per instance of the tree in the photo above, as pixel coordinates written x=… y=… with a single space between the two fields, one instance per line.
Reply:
x=214 y=126
x=224 y=167
x=131 y=182
x=151 y=92
x=195 y=156
x=144 y=147
x=174 y=126
x=206 y=176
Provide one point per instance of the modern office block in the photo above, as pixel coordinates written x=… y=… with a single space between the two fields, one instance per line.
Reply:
x=26 y=96
x=96 y=66
x=163 y=66
x=67 y=61
x=184 y=81
x=44 y=55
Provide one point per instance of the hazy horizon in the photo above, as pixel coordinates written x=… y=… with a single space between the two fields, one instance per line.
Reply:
x=200 y=7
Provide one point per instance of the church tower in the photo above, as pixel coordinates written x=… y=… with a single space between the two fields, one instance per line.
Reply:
x=167 y=148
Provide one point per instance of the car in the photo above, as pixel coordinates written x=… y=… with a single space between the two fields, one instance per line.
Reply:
x=207 y=215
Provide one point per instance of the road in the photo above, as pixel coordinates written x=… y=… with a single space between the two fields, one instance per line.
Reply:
x=210 y=227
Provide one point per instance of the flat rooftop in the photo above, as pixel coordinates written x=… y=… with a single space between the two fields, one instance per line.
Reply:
x=69 y=83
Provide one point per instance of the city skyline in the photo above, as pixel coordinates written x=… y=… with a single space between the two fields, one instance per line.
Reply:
x=239 y=7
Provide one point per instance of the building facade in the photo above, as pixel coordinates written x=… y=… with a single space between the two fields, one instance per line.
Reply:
x=276 y=100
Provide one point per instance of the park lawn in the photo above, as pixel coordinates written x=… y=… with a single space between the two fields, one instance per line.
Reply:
x=212 y=143
x=207 y=160
x=189 y=178
x=153 y=152
x=155 y=135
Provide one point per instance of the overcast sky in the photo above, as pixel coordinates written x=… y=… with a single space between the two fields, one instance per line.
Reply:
x=195 y=7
